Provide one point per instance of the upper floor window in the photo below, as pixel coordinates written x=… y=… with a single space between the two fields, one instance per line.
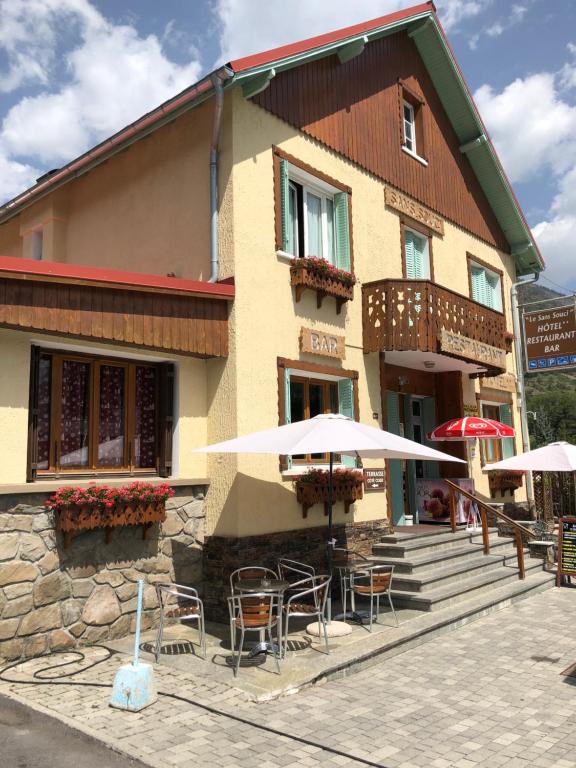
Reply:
x=486 y=286
x=37 y=245
x=496 y=450
x=416 y=255
x=409 y=127
x=312 y=214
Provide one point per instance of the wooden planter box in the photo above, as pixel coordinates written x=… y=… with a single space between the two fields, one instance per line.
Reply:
x=308 y=494
x=499 y=484
x=302 y=278
x=72 y=519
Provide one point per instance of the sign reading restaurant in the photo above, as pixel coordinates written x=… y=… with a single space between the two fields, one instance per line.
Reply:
x=550 y=338
x=471 y=349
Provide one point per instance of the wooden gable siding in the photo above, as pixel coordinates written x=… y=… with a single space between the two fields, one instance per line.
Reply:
x=187 y=325
x=355 y=109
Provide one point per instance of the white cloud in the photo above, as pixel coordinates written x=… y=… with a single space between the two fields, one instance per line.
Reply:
x=113 y=76
x=249 y=27
x=498 y=27
x=567 y=75
x=532 y=127
x=556 y=239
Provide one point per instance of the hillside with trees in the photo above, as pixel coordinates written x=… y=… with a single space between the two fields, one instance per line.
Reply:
x=550 y=395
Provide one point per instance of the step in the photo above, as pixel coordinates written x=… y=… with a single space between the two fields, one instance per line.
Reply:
x=441 y=531
x=458 y=571
x=443 y=558
x=430 y=543
x=450 y=594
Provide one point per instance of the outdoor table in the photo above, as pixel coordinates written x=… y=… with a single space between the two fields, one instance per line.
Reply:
x=346 y=568
x=266 y=586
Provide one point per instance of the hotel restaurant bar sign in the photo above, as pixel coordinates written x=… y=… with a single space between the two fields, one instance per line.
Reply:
x=550 y=338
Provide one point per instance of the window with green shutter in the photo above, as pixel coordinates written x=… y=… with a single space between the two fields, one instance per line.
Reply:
x=314 y=218
x=486 y=287
x=416 y=255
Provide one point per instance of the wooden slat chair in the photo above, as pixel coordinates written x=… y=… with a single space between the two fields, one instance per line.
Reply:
x=308 y=601
x=255 y=612
x=373 y=582
x=341 y=556
x=179 y=603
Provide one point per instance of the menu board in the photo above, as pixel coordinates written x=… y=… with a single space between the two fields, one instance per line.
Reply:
x=566 y=547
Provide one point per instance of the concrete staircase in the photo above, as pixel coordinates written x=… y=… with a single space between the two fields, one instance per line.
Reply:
x=434 y=571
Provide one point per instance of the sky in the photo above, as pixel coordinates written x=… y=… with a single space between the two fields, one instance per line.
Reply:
x=72 y=72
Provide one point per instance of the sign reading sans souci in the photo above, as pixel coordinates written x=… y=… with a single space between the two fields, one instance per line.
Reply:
x=550 y=338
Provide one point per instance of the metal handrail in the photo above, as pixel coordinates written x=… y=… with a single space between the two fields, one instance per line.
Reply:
x=484 y=509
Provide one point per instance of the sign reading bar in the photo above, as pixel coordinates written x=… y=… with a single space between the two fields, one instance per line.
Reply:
x=321 y=343
x=418 y=212
x=470 y=349
x=375 y=479
x=550 y=336
x=506 y=382
x=566 y=548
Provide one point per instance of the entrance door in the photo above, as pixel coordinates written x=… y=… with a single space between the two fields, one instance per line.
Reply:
x=396 y=494
x=419 y=419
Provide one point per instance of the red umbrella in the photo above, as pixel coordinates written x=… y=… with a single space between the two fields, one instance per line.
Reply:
x=469 y=427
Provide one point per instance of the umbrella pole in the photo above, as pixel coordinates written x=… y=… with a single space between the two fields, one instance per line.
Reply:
x=329 y=553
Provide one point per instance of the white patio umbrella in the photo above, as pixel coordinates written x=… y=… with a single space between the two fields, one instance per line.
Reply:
x=329 y=433
x=556 y=457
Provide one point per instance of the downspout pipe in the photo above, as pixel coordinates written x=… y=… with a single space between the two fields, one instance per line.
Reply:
x=520 y=363
x=216 y=128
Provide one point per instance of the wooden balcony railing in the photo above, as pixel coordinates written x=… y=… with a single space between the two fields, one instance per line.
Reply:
x=410 y=315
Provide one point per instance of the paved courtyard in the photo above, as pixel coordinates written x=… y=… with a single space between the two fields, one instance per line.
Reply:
x=489 y=694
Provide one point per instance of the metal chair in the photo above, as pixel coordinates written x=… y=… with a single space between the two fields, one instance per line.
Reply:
x=340 y=557
x=187 y=607
x=308 y=601
x=373 y=582
x=250 y=572
x=293 y=571
x=255 y=612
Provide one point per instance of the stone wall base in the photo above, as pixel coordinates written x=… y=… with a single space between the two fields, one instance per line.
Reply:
x=222 y=554
x=53 y=598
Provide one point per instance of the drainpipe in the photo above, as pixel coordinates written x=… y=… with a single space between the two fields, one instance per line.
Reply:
x=218 y=108
x=520 y=362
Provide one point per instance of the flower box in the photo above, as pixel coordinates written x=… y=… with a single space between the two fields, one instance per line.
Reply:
x=321 y=276
x=83 y=509
x=501 y=481
x=313 y=488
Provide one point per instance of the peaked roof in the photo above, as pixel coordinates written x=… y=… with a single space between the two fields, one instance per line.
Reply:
x=255 y=72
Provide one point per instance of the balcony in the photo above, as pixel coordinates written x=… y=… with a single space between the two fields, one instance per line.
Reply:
x=435 y=327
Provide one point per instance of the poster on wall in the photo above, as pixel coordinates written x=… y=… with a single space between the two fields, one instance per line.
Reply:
x=433 y=500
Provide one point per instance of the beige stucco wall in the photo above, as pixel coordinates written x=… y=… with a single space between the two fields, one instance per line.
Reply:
x=191 y=407
x=248 y=494
x=146 y=210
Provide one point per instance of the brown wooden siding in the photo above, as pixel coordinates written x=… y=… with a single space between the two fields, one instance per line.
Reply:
x=354 y=108
x=187 y=325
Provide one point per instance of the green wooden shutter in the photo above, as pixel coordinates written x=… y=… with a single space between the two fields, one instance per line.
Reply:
x=396 y=480
x=421 y=258
x=507 y=442
x=342 y=231
x=479 y=285
x=346 y=408
x=406 y=401
x=493 y=291
x=285 y=204
x=409 y=255
x=287 y=410
x=431 y=468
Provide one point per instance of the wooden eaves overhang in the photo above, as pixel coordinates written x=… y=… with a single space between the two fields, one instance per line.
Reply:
x=421 y=23
x=166 y=314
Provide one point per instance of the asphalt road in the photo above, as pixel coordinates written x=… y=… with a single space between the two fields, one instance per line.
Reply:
x=32 y=740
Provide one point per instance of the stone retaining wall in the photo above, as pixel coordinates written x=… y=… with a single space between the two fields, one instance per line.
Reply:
x=53 y=598
x=222 y=554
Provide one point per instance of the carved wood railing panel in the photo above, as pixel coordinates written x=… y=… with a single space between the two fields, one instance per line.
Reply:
x=410 y=314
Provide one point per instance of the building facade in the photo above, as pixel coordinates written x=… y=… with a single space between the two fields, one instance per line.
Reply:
x=362 y=148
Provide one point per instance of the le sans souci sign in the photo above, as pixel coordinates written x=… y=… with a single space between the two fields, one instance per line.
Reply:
x=550 y=338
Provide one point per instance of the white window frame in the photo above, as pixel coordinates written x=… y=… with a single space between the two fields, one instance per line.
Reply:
x=498 y=289
x=318 y=188
x=420 y=236
x=409 y=143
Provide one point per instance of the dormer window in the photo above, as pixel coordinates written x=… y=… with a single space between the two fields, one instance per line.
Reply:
x=413 y=135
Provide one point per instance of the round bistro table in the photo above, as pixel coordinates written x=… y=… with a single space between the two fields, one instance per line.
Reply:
x=266 y=586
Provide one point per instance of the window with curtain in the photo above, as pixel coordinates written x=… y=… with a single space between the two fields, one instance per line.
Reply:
x=314 y=218
x=486 y=287
x=91 y=414
x=416 y=255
